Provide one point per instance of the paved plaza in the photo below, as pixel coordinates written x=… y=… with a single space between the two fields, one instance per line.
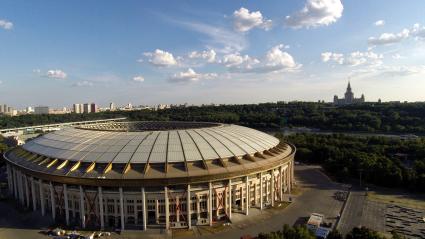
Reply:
x=382 y=217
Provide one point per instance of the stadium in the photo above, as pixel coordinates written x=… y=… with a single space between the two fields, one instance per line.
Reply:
x=136 y=175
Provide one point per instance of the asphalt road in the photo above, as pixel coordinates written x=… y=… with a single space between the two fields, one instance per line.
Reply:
x=353 y=212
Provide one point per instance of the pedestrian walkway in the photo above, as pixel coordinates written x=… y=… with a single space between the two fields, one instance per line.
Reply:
x=352 y=214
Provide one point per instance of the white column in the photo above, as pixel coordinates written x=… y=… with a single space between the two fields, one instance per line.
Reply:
x=280 y=183
x=292 y=173
x=27 y=191
x=42 y=199
x=198 y=208
x=167 y=209
x=230 y=199
x=188 y=213
x=52 y=201
x=122 y=209
x=210 y=197
x=65 y=198
x=102 y=219
x=261 y=191
x=246 y=195
x=144 y=209
x=82 y=209
x=241 y=198
x=177 y=202
x=34 y=198
x=267 y=188
x=288 y=179
x=272 y=190
x=157 y=211
x=255 y=193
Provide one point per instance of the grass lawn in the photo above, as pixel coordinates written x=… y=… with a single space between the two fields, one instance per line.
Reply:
x=219 y=227
x=182 y=233
x=398 y=198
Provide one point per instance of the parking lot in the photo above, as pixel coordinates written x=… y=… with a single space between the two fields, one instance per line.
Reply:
x=407 y=221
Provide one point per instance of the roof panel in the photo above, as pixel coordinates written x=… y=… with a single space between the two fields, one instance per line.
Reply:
x=218 y=147
x=122 y=157
x=91 y=157
x=106 y=157
x=157 y=157
x=206 y=150
x=244 y=146
x=139 y=157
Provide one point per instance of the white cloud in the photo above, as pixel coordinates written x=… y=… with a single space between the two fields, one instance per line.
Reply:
x=161 y=58
x=379 y=23
x=275 y=57
x=389 y=38
x=275 y=60
x=316 y=13
x=190 y=76
x=83 y=84
x=220 y=39
x=209 y=56
x=1 y=82
x=418 y=31
x=6 y=24
x=56 y=74
x=330 y=56
x=243 y=20
x=138 y=78
x=396 y=56
x=235 y=60
x=354 y=58
x=359 y=58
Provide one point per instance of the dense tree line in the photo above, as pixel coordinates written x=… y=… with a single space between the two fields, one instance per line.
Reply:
x=385 y=117
x=301 y=232
x=30 y=119
x=382 y=161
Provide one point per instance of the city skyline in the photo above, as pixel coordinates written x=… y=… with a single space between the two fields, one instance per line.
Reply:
x=60 y=53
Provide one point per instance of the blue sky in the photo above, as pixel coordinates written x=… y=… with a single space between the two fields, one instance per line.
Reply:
x=149 y=52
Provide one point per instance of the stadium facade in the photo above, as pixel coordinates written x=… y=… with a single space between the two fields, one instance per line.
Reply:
x=132 y=175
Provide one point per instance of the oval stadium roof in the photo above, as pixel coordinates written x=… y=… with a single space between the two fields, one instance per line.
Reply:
x=151 y=143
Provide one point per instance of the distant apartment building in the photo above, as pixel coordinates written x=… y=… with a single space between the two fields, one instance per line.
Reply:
x=163 y=106
x=76 y=108
x=112 y=106
x=93 y=108
x=86 y=108
x=7 y=110
x=29 y=110
x=40 y=110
